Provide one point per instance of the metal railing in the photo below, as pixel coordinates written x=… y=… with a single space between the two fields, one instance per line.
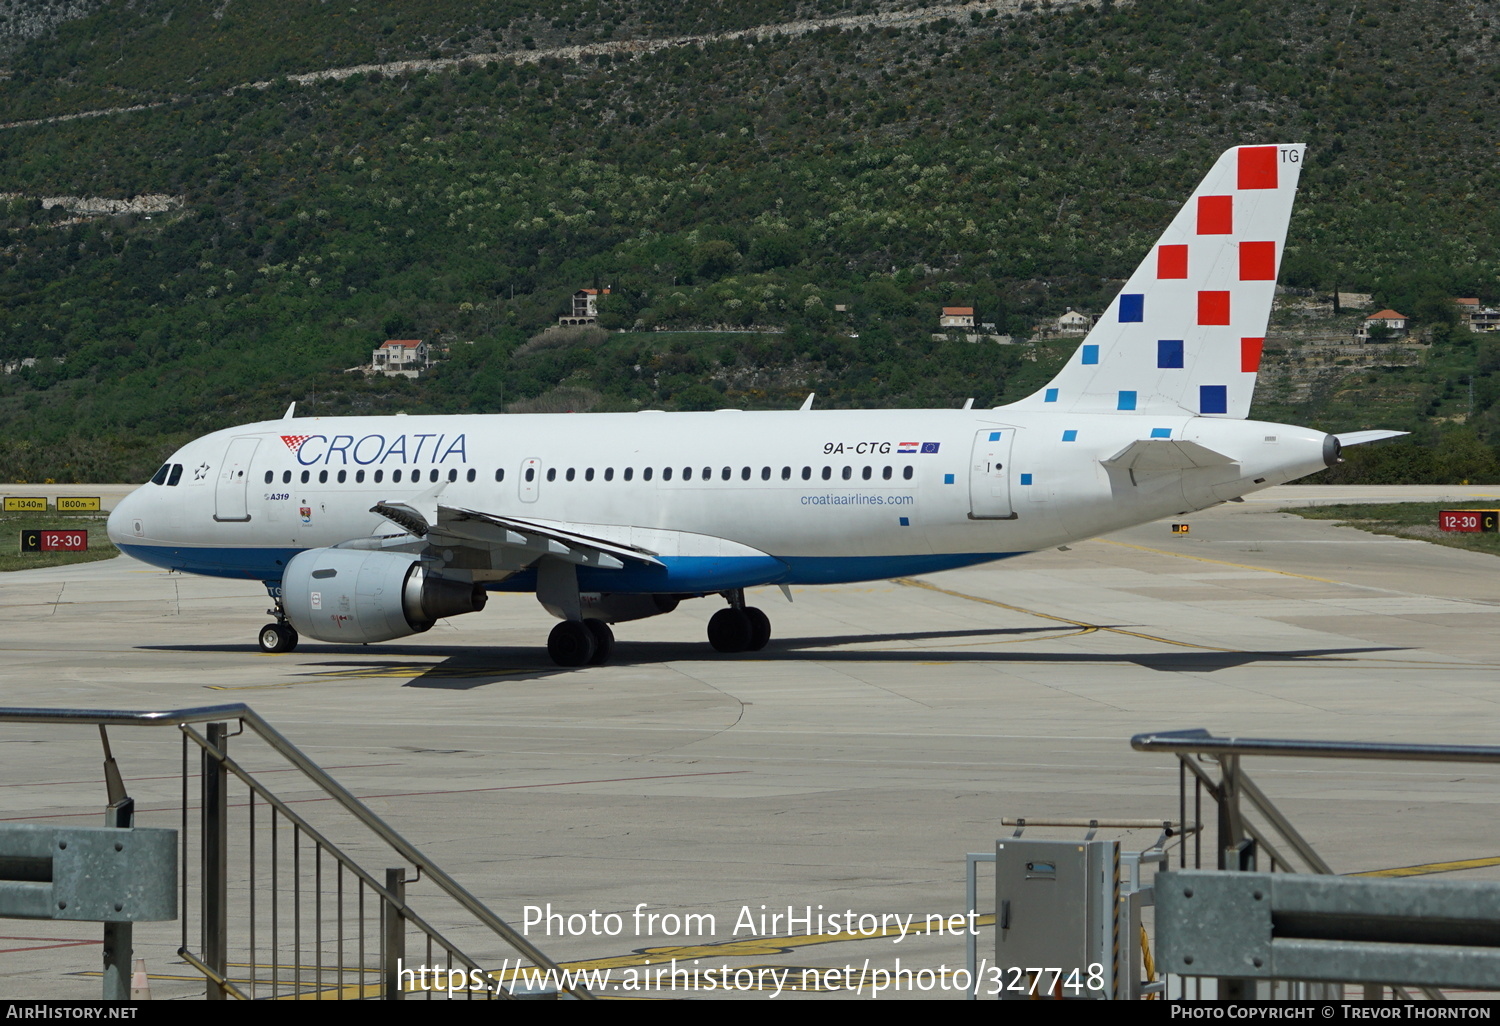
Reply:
x=1273 y=843
x=282 y=910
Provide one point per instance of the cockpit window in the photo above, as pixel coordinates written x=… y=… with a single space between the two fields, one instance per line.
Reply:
x=160 y=477
x=175 y=476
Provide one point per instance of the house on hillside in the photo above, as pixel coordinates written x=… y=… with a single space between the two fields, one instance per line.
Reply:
x=1478 y=318
x=957 y=317
x=1392 y=323
x=404 y=358
x=585 y=307
x=1074 y=323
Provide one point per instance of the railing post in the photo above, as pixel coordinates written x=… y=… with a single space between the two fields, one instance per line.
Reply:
x=215 y=858
x=119 y=938
x=393 y=927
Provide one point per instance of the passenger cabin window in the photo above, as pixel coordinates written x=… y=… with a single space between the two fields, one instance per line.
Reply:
x=646 y=474
x=470 y=476
x=569 y=474
x=726 y=473
x=342 y=475
x=452 y=474
x=629 y=473
x=906 y=472
x=744 y=473
x=322 y=477
x=270 y=476
x=666 y=473
x=307 y=474
x=865 y=473
x=499 y=475
x=551 y=473
x=848 y=473
x=286 y=477
x=609 y=473
x=379 y=476
x=708 y=473
x=687 y=473
x=807 y=473
x=531 y=473
x=827 y=473
x=395 y=476
x=433 y=476
x=588 y=473
x=886 y=473
x=786 y=473
x=359 y=477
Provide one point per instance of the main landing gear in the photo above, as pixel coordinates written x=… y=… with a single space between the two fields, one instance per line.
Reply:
x=280 y=636
x=740 y=628
x=581 y=643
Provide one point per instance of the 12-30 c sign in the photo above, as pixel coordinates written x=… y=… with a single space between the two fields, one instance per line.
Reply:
x=54 y=541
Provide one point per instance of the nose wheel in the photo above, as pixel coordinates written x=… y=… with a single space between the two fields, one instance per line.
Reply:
x=276 y=638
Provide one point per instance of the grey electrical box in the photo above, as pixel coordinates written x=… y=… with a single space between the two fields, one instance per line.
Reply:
x=1056 y=918
x=90 y=874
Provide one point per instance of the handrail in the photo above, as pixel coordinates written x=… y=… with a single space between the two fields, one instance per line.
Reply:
x=310 y=769
x=1201 y=742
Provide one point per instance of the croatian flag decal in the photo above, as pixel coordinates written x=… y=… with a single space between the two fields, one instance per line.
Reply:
x=928 y=447
x=908 y=446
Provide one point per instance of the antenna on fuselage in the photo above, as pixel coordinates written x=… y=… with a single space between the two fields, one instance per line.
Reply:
x=291 y=411
x=807 y=403
x=969 y=403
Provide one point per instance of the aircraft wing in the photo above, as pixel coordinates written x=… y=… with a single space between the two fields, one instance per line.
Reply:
x=1153 y=455
x=491 y=542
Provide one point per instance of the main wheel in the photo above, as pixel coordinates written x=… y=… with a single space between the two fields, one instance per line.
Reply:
x=760 y=629
x=277 y=637
x=571 y=644
x=729 y=630
x=604 y=641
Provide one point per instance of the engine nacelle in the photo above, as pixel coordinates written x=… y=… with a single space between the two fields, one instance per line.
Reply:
x=358 y=596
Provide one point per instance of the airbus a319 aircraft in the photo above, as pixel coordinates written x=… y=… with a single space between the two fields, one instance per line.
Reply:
x=367 y=529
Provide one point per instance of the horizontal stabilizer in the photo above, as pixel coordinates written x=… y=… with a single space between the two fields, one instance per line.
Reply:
x=1152 y=455
x=1349 y=438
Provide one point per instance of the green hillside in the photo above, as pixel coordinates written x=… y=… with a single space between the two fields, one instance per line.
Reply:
x=1018 y=160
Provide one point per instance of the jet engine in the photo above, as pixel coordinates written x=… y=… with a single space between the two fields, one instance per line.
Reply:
x=361 y=596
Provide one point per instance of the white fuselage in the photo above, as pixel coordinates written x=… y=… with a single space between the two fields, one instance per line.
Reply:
x=726 y=499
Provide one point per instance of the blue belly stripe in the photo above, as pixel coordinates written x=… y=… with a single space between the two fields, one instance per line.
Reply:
x=679 y=574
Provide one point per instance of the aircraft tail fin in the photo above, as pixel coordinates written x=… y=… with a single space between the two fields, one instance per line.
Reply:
x=1185 y=333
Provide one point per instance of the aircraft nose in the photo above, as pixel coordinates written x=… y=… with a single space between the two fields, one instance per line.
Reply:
x=121 y=523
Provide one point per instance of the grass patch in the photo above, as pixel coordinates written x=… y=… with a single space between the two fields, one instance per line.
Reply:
x=12 y=524
x=1407 y=520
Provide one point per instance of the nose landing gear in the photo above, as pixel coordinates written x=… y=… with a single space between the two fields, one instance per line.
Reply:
x=280 y=636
